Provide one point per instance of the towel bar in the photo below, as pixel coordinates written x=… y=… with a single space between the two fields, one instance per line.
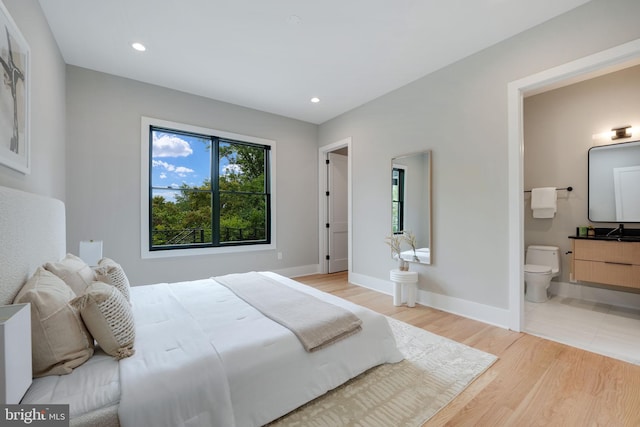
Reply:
x=566 y=188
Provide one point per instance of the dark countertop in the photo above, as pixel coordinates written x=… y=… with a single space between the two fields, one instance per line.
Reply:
x=612 y=238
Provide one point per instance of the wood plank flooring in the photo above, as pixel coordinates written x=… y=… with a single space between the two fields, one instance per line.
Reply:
x=535 y=382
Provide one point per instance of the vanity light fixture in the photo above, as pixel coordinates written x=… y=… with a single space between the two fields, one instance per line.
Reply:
x=315 y=100
x=621 y=132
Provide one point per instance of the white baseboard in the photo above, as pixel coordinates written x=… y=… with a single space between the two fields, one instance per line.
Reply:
x=469 y=309
x=303 y=270
x=595 y=294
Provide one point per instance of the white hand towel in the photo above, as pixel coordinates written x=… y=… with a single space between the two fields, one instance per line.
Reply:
x=544 y=202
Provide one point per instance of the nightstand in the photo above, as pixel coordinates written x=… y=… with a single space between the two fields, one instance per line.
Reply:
x=15 y=352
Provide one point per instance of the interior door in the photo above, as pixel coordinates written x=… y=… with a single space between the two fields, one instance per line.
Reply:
x=337 y=216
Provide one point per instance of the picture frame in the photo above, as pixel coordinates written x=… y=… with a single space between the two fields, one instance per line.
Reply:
x=15 y=87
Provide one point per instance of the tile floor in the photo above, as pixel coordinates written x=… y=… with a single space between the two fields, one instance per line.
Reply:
x=600 y=328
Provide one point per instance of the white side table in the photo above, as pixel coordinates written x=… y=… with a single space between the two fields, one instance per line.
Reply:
x=15 y=352
x=407 y=280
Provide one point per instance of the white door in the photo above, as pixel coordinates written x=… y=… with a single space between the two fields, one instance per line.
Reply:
x=627 y=193
x=337 y=217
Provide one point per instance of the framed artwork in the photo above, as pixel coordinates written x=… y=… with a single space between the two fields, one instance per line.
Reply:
x=15 y=147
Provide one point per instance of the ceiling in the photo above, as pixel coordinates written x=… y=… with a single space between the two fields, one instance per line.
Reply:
x=275 y=55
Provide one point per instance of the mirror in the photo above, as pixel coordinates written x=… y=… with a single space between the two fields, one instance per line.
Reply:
x=614 y=183
x=411 y=202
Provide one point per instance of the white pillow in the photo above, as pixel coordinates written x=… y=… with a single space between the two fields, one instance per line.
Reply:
x=60 y=341
x=74 y=271
x=110 y=272
x=108 y=317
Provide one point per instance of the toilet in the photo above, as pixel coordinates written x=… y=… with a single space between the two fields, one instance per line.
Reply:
x=542 y=263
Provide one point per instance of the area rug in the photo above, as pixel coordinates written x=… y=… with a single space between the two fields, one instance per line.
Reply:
x=434 y=372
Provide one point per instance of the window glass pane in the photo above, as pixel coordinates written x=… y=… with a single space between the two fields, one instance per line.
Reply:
x=243 y=217
x=180 y=160
x=180 y=217
x=395 y=217
x=241 y=167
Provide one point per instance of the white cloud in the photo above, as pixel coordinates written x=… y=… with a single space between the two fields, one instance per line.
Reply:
x=170 y=146
x=181 y=171
x=236 y=169
x=163 y=175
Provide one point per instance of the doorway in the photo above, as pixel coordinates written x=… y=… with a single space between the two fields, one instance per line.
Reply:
x=597 y=64
x=335 y=207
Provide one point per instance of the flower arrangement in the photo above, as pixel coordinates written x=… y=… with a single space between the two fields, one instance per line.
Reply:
x=395 y=243
x=408 y=237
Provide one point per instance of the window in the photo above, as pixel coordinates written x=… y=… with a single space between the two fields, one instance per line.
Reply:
x=205 y=189
x=397 y=200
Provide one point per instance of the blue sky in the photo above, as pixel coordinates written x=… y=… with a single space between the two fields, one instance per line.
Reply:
x=178 y=159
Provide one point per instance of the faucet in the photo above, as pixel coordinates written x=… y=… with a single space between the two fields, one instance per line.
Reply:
x=620 y=228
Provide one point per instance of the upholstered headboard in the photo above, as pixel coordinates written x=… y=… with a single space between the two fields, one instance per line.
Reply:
x=32 y=232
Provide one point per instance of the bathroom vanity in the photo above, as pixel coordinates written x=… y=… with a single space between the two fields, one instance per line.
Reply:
x=606 y=260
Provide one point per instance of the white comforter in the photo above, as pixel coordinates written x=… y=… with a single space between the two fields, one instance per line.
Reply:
x=206 y=358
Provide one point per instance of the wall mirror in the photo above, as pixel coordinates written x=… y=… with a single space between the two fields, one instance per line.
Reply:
x=614 y=183
x=411 y=202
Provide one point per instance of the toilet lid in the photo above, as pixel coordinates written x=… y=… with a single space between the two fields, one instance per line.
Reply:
x=532 y=268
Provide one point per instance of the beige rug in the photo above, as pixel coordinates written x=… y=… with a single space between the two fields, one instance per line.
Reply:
x=435 y=371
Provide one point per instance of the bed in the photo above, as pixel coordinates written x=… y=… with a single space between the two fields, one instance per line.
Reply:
x=203 y=355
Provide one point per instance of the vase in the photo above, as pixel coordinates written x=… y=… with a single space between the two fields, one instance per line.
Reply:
x=403 y=265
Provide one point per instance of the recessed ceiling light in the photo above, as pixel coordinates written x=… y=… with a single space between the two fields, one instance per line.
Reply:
x=315 y=100
x=138 y=46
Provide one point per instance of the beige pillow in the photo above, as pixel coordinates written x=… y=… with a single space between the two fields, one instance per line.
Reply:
x=108 y=317
x=59 y=339
x=74 y=271
x=111 y=273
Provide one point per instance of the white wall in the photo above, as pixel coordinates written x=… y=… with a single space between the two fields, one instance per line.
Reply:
x=103 y=175
x=48 y=114
x=460 y=112
x=558 y=131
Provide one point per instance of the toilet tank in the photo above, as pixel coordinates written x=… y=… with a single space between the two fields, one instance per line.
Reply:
x=544 y=255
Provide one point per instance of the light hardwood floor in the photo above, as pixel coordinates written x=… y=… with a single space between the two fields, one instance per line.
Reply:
x=535 y=382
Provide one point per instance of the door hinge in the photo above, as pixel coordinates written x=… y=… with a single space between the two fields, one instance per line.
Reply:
x=327 y=194
x=327 y=161
x=327 y=257
x=328 y=225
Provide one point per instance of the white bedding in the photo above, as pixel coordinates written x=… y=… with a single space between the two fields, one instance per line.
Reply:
x=204 y=357
x=268 y=371
x=92 y=386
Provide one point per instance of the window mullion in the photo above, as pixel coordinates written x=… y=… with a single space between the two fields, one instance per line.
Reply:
x=215 y=190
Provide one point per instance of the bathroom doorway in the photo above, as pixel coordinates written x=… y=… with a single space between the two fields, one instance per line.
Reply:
x=597 y=325
x=598 y=64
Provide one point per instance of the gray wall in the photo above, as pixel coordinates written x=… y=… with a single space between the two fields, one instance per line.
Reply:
x=103 y=174
x=47 y=175
x=460 y=112
x=558 y=131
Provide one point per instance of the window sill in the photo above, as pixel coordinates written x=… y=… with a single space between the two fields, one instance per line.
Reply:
x=175 y=253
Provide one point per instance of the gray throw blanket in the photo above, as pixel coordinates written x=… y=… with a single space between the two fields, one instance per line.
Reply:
x=316 y=323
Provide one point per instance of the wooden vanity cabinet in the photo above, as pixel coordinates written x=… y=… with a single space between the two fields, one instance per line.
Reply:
x=608 y=262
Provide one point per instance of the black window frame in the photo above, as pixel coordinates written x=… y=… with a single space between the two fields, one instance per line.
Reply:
x=214 y=191
x=398 y=218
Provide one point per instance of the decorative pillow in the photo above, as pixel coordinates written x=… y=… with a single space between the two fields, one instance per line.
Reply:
x=74 y=271
x=59 y=339
x=111 y=273
x=108 y=317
